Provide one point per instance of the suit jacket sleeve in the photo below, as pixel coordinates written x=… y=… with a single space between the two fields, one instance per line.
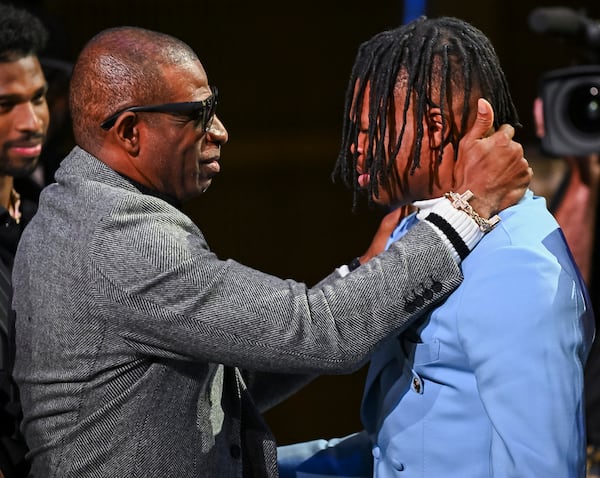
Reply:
x=174 y=298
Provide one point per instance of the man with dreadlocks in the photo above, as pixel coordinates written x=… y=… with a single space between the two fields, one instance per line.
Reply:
x=141 y=353
x=490 y=383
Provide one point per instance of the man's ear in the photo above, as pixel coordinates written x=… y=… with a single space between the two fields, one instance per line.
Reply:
x=127 y=132
x=434 y=125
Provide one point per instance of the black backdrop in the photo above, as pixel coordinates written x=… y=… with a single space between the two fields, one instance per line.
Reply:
x=281 y=68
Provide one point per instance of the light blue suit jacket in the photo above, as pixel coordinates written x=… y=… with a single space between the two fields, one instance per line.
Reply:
x=491 y=383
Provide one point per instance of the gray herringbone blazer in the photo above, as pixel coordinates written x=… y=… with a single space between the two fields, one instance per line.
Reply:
x=141 y=354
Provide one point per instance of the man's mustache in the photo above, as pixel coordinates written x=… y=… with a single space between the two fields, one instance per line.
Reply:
x=27 y=138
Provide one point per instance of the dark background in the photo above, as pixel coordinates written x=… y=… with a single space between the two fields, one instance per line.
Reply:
x=281 y=69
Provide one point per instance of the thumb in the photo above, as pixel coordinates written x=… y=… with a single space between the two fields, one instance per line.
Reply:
x=484 y=123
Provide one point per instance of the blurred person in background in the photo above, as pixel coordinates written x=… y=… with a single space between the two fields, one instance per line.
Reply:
x=24 y=120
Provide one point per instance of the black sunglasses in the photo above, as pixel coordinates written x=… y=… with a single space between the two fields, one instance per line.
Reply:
x=201 y=112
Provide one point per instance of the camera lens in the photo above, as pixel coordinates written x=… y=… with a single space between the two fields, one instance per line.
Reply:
x=583 y=107
x=571 y=98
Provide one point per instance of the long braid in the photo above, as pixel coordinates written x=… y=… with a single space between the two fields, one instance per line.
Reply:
x=446 y=55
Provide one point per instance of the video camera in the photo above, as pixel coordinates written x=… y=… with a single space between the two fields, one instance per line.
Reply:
x=570 y=96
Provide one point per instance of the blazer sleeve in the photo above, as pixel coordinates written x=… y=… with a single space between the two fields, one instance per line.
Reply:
x=175 y=299
x=269 y=389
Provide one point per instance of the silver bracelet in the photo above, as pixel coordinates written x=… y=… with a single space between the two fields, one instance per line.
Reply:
x=461 y=202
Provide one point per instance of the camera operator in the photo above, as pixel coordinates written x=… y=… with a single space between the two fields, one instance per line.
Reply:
x=567 y=119
x=573 y=200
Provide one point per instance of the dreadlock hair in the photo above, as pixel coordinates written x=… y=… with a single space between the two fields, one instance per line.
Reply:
x=444 y=55
x=21 y=33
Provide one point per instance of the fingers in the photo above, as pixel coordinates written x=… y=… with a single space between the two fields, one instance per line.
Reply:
x=484 y=122
x=506 y=130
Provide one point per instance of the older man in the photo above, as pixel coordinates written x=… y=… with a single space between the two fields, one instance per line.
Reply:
x=139 y=352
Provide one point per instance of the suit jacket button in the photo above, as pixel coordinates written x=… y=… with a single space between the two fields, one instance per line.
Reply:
x=419 y=301
x=436 y=286
x=428 y=294
x=410 y=306
x=417 y=384
x=376 y=452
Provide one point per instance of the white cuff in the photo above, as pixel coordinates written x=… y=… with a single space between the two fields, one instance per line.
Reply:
x=461 y=222
x=343 y=271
